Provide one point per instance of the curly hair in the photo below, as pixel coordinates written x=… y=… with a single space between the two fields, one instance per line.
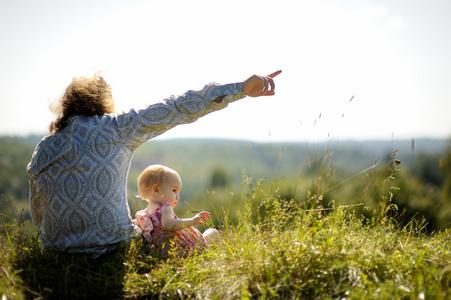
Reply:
x=83 y=97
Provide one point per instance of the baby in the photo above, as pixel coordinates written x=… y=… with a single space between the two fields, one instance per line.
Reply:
x=160 y=186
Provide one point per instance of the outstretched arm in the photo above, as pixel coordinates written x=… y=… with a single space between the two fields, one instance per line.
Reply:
x=137 y=126
x=172 y=224
x=256 y=86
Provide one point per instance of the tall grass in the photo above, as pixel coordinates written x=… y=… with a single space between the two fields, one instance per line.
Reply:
x=271 y=247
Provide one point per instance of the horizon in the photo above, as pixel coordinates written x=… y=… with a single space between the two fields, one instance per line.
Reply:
x=393 y=139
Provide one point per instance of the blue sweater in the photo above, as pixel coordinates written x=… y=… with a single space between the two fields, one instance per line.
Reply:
x=78 y=176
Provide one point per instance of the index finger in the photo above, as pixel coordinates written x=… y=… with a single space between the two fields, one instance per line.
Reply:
x=272 y=75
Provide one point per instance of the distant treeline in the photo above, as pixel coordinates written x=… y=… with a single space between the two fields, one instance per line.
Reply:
x=207 y=165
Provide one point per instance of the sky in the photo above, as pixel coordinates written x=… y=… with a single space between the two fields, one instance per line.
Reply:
x=352 y=69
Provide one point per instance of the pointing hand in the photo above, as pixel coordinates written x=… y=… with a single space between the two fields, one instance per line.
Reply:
x=257 y=85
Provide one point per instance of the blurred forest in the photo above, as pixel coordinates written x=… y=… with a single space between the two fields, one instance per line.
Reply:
x=216 y=173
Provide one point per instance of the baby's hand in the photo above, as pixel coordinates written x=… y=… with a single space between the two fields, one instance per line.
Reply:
x=201 y=218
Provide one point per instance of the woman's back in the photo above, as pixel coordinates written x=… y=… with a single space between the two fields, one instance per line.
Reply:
x=81 y=186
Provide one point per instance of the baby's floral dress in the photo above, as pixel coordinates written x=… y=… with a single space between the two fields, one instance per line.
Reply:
x=186 y=240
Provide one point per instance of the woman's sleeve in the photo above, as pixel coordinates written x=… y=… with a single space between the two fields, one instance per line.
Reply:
x=138 y=126
x=35 y=206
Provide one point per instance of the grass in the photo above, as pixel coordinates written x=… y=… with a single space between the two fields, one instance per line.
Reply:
x=272 y=248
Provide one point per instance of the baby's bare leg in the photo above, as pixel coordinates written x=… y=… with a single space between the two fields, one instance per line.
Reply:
x=211 y=235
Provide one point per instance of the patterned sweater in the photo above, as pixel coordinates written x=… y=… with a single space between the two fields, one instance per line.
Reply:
x=78 y=176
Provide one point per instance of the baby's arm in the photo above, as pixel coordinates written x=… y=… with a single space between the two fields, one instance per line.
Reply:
x=172 y=224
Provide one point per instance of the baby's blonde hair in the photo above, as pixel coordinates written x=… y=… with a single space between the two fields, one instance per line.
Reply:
x=153 y=174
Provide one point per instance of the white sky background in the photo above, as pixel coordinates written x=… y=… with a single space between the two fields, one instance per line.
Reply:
x=393 y=56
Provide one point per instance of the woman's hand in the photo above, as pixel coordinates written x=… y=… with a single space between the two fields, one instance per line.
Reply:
x=256 y=85
x=201 y=218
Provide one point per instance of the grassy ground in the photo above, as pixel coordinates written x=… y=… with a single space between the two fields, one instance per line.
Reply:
x=273 y=249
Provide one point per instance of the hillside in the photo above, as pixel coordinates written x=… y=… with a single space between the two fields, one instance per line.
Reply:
x=200 y=160
x=297 y=220
x=276 y=250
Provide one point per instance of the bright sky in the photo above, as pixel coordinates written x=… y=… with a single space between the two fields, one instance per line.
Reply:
x=394 y=57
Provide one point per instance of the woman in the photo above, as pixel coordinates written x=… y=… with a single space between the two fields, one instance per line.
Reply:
x=78 y=173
